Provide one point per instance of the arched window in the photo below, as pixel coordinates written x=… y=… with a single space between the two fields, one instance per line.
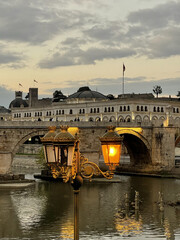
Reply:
x=79 y=111
x=109 y=109
x=158 y=109
x=128 y=108
x=83 y=110
x=154 y=109
x=124 y=108
x=62 y=111
x=91 y=110
x=70 y=111
x=47 y=113
x=174 y=110
x=97 y=110
x=145 y=109
x=162 y=109
x=59 y=112
x=105 y=109
x=137 y=108
x=94 y=110
x=142 y=109
x=112 y=109
x=177 y=110
x=120 y=109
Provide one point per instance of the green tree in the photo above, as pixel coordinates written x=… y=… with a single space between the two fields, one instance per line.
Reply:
x=178 y=95
x=157 y=90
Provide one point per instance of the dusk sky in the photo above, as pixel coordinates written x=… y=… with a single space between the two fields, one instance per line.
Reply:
x=64 y=45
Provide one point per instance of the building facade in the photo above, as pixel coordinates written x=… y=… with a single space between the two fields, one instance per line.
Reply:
x=88 y=105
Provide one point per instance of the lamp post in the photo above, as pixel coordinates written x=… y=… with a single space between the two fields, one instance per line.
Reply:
x=64 y=159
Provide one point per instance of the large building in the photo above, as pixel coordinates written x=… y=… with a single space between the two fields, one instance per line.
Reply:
x=88 y=105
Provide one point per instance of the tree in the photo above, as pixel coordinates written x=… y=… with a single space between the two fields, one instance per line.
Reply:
x=178 y=95
x=157 y=90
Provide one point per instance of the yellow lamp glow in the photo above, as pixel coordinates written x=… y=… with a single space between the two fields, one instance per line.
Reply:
x=111 y=147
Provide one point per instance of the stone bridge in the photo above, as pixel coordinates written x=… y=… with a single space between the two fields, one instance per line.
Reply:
x=149 y=146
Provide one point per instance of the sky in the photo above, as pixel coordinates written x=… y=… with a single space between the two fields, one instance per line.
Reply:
x=64 y=45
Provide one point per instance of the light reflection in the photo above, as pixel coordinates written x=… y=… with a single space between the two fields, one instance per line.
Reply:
x=67 y=230
x=128 y=226
x=29 y=209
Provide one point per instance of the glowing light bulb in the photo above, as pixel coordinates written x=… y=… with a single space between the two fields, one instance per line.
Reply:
x=112 y=151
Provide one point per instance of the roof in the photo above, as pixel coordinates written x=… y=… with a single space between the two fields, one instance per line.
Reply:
x=86 y=92
x=18 y=102
x=4 y=110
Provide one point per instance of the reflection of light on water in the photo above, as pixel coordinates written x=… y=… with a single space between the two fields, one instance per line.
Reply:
x=67 y=230
x=168 y=233
x=29 y=209
x=128 y=226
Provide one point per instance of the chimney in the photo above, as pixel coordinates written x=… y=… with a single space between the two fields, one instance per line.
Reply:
x=33 y=96
x=18 y=94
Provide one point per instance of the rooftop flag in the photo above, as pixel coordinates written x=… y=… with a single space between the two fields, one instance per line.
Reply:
x=124 y=68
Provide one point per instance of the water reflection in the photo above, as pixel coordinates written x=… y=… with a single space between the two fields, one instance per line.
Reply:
x=45 y=211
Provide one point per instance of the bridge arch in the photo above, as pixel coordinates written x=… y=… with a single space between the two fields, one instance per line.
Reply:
x=25 y=138
x=137 y=146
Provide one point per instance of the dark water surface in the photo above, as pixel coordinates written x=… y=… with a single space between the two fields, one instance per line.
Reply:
x=45 y=211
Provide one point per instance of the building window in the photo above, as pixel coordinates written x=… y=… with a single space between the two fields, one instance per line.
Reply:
x=177 y=110
x=137 y=108
x=70 y=111
x=105 y=110
x=91 y=110
x=109 y=109
x=145 y=109
x=124 y=108
x=120 y=109
x=142 y=108
x=94 y=110
x=79 y=111
x=128 y=108
x=83 y=110
x=97 y=110
x=158 y=109
x=154 y=109
x=112 y=109
x=62 y=111
x=162 y=109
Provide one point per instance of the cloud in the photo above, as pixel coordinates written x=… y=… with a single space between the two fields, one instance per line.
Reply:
x=10 y=58
x=83 y=57
x=6 y=96
x=157 y=17
x=25 y=21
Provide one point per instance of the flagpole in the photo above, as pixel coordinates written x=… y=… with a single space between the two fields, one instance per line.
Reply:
x=124 y=68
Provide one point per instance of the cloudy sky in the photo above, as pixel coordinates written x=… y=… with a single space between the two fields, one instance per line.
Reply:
x=68 y=44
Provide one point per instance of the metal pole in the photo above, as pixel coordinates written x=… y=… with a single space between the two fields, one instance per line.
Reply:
x=76 y=214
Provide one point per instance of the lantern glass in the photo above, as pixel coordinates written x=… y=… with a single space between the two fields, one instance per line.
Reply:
x=111 y=154
x=70 y=155
x=64 y=154
x=49 y=153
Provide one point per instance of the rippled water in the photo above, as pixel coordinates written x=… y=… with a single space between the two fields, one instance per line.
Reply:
x=45 y=211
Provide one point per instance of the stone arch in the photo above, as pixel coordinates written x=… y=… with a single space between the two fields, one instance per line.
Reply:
x=138 y=147
x=146 y=119
x=128 y=118
x=105 y=119
x=91 y=119
x=120 y=119
x=138 y=118
x=98 y=119
x=25 y=138
x=177 y=141
x=112 y=119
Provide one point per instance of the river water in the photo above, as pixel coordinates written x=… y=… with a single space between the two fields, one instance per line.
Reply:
x=45 y=210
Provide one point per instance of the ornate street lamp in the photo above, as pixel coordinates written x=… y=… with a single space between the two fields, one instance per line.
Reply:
x=64 y=159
